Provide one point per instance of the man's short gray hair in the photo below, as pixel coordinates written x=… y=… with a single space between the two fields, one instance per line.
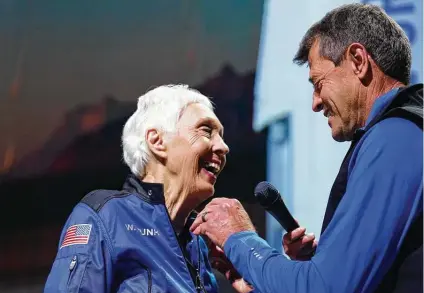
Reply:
x=368 y=25
x=159 y=108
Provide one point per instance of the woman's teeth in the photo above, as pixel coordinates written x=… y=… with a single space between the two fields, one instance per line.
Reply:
x=212 y=167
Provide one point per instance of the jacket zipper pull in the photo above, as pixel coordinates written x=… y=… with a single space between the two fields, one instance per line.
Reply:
x=73 y=263
x=198 y=280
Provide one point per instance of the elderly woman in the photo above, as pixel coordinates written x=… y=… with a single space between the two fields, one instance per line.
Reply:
x=137 y=239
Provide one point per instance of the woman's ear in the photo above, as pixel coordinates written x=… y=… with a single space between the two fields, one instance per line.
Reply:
x=155 y=143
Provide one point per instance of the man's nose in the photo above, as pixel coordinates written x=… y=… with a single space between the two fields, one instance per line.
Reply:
x=317 y=104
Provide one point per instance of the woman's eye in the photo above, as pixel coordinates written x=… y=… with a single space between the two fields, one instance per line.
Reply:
x=206 y=129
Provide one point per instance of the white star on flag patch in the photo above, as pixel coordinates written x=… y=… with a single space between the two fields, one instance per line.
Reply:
x=77 y=234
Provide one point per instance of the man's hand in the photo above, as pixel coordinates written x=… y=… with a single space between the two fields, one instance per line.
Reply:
x=298 y=245
x=221 y=218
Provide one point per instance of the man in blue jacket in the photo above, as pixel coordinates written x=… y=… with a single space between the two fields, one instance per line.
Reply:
x=359 y=64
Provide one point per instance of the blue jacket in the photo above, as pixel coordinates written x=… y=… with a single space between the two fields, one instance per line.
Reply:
x=123 y=241
x=384 y=195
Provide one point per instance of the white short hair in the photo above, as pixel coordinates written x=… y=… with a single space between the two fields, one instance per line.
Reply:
x=159 y=108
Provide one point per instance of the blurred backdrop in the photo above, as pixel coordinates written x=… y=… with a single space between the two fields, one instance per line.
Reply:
x=70 y=76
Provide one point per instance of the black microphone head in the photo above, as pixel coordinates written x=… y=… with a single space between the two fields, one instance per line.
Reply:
x=270 y=199
x=266 y=194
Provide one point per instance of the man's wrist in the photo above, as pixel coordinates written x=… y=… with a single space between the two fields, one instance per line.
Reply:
x=236 y=237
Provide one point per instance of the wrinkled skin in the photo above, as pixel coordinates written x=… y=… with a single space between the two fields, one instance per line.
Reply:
x=199 y=138
x=224 y=217
x=178 y=160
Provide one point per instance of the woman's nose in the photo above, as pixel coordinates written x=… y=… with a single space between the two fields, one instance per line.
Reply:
x=221 y=147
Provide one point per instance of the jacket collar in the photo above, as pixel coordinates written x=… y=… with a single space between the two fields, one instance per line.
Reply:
x=391 y=100
x=151 y=192
x=380 y=104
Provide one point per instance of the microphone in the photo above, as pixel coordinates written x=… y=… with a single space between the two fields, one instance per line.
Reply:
x=270 y=199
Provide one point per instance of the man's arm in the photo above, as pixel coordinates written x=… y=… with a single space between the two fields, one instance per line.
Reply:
x=83 y=262
x=383 y=197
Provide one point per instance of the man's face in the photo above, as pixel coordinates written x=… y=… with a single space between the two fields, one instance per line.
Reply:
x=197 y=152
x=335 y=93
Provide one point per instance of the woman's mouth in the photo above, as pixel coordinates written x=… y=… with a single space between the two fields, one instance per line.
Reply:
x=211 y=169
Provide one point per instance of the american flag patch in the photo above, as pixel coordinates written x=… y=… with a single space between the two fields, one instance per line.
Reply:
x=77 y=234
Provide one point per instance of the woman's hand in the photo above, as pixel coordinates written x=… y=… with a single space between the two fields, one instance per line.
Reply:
x=220 y=262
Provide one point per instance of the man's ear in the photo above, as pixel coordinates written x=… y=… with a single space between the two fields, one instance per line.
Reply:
x=359 y=61
x=155 y=143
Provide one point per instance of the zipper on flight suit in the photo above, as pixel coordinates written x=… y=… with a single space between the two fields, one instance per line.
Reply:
x=200 y=287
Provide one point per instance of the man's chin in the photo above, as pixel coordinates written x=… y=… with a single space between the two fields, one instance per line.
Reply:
x=339 y=136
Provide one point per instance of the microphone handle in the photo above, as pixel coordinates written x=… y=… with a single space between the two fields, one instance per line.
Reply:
x=284 y=216
x=288 y=224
